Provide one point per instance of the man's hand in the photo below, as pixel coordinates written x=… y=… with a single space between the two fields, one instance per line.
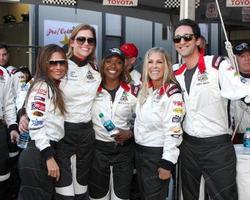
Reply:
x=23 y=124
x=14 y=136
x=164 y=174
x=123 y=135
x=53 y=169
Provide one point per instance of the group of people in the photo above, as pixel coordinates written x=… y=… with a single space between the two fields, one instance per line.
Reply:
x=161 y=117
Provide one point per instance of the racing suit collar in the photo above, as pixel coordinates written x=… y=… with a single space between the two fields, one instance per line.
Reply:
x=124 y=85
x=201 y=65
x=162 y=89
x=79 y=61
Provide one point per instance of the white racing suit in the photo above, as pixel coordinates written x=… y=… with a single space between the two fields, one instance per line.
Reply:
x=46 y=128
x=206 y=147
x=113 y=164
x=240 y=113
x=158 y=134
x=7 y=117
x=75 y=150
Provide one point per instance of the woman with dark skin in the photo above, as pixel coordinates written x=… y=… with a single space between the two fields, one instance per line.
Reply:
x=112 y=168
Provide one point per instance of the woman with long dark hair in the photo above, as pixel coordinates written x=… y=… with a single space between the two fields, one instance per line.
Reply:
x=75 y=150
x=45 y=109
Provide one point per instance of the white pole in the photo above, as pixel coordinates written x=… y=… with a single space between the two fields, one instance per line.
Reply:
x=187 y=9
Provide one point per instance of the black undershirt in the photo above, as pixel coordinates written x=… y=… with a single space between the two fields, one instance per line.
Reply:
x=188 y=75
x=112 y=92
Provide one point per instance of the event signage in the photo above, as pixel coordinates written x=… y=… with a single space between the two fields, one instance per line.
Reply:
x=238 y=3
x=120 y=2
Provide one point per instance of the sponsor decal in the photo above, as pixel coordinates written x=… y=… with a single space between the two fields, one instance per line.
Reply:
x=99 y=97
x=41 y=91
x=90 y=75
x=236 y=74
x=176 y=119
x=38 y=106
x=37 y=122
x=39 y=98
x=202 y=77
x=173 y=91
x=37 y=113
x=179 y=110
x=73 y=74
x=124 y=98
x=176 y=131
x=230 y=68
x=243 y=80
x=178 y=103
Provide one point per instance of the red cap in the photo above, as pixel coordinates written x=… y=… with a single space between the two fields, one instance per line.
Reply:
x=129 y=50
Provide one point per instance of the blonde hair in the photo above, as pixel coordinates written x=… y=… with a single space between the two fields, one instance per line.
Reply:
x=75 y=31
x=168 y=76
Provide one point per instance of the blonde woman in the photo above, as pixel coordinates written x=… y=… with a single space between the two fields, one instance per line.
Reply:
x=158 y=133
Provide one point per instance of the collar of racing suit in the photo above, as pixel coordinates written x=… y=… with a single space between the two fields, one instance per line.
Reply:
x=245 y=75
x=79 y=61
x=201 y=65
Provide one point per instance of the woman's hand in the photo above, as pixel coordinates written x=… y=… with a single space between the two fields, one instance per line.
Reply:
x=164 y=174
x=23 y=124
x=53 y=169
x=14 y=136
x=123 y=135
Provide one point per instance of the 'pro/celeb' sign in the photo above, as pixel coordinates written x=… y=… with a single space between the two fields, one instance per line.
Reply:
x=120 y=2
x=238 y=3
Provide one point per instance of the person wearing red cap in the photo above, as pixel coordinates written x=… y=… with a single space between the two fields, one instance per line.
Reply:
x=131 y=52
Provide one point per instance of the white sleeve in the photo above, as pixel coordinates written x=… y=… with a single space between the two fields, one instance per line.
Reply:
x=9 y=109
x=21 y=95
x=18 y=81
x=36 y=108
x=173 y=116
x=232 y=86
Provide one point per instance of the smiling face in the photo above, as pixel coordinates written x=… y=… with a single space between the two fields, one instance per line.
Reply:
x=57 y=66
x=156 y=65
x=83 y=49
x=112 y=69
x=186 y=48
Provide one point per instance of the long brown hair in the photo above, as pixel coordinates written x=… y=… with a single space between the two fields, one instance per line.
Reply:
x=41 y=74
x=80 y=27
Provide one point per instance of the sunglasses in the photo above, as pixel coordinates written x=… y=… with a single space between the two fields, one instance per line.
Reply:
x=82 y=40
x=186 y=37
x=242 y=46
x=57 y=62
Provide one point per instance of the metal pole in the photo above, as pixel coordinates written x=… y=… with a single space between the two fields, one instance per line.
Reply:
x=187 y=9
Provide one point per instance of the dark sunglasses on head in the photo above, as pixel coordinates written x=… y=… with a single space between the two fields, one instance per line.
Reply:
x=186 y=37
x=82 y=40
x=57 y=62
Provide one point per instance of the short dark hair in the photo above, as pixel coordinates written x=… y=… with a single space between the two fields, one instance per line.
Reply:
x=4 y=46
x=188 y=22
